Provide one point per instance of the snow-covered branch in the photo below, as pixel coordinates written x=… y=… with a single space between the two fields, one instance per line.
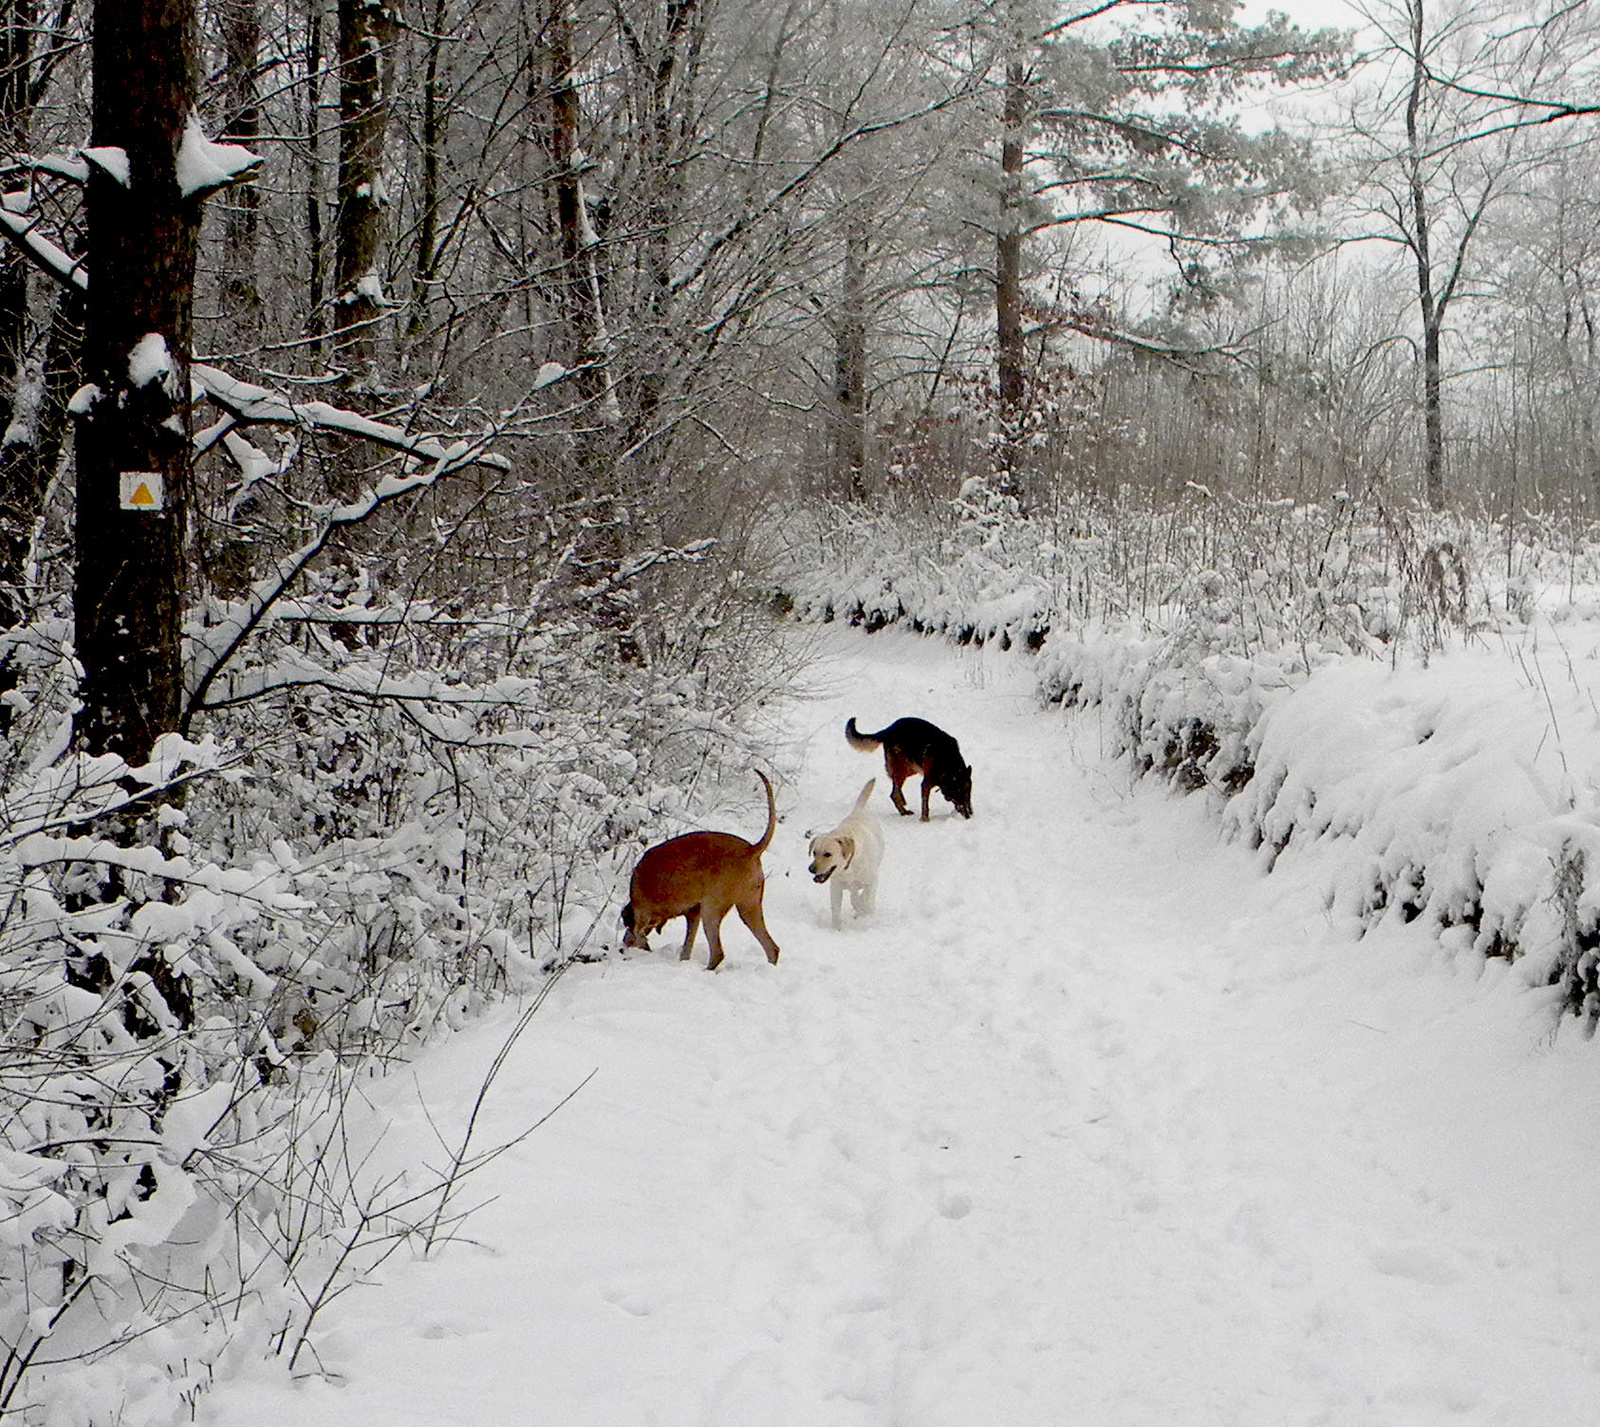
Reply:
x=52 y=260
x=250 y=405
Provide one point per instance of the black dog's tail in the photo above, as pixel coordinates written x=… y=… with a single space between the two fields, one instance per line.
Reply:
x=865 y=742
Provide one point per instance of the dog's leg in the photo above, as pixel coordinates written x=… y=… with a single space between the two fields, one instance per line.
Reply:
x=899 y=769
x=714 y=936
x=836 y=895
x=898 y=797
x=927 y=792
x=750 y=915
x=692 y=917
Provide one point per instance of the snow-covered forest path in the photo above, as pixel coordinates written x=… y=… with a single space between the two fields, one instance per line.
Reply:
x=1094 y=1123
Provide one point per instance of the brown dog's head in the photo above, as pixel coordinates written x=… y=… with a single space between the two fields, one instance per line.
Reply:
x=633 y=934
x=830 y=852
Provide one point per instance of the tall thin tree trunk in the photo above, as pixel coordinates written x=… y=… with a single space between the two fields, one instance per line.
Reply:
x=850 y=363
x=1010 y=357
x=1421 y=241
x=17 y=22
x=663 y=75
x=368 y=31
x=240 y=22
x=133 y=446
x=20 y=498
x=578 y=282
x=434 y=125
x=316 y=277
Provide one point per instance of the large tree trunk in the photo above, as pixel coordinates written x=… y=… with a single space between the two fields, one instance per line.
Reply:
x=368 y=31
x=133 y=447
x=1009 y=347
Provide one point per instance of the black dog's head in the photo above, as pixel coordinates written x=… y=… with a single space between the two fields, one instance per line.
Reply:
x=957 y=787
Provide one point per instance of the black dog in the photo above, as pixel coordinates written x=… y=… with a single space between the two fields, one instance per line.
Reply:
x=913 y=745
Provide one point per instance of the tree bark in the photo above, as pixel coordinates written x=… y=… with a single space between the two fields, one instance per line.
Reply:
x=240 y=22
x=578 y=283
x=316 y=276
x=368 y=31
x=850 y=364
x=435 y=124
x=133 y=446
x=1010 y=358
x=17 y=22
x=1432 y=311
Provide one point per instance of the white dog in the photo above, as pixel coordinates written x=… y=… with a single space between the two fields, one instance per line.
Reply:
x=848 y=857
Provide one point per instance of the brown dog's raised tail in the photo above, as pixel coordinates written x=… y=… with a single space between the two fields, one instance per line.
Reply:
x=772 y=815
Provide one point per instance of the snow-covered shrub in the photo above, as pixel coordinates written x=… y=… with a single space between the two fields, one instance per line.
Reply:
x=1210 y=572
x=124 y=1060
x=1180 y=620
x=1461 y=792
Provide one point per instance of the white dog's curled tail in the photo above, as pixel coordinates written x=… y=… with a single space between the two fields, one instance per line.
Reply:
x=866 y=793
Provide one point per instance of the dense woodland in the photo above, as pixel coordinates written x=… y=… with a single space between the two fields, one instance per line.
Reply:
x=494 y=364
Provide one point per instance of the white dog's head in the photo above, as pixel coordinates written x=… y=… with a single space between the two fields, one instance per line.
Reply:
x=831 y=852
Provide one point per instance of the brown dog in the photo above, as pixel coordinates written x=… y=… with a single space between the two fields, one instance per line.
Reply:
x=699 y=876
x=913 y=745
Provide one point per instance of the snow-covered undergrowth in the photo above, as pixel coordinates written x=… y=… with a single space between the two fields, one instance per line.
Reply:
x=1464 y=791
x=396 y=815
x=1409 y=699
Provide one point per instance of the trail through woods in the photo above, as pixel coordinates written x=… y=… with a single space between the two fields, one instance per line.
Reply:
x=1093 y=1123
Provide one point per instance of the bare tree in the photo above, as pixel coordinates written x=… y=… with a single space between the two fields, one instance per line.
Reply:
x=1446 y=152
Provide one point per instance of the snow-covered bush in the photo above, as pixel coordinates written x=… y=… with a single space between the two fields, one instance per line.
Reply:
x=1211 y=571
x=1461 y=791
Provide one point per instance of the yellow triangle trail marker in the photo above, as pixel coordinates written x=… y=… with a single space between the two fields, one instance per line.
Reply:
x=142 y=490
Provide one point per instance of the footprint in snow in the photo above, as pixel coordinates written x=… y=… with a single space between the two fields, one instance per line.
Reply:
x=1416 y=1262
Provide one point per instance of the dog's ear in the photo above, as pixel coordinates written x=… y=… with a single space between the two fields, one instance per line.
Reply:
x=847 y=845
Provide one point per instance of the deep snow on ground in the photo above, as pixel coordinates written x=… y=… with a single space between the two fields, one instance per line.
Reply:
x=1093 y=1123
